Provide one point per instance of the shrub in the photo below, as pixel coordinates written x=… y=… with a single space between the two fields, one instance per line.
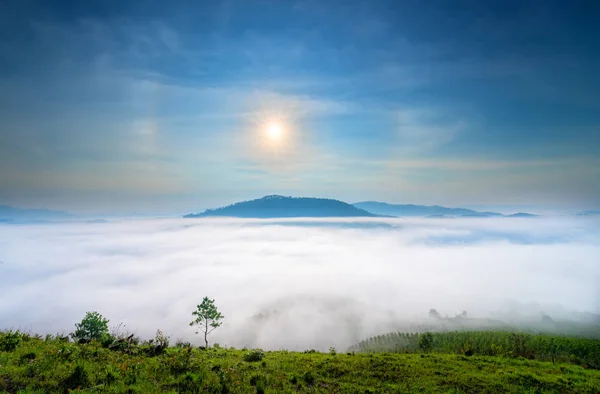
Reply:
x=181 y=344
x=10 y=340
x=190 y=383
x=496 y=350
x=309 y=378
x=78 y=379
x=255 y=379
x=158 y=344
x=93 y=326
x=254 y=355
x=332 y=351
x=122 y=334
x=426 y=341
x=468 y=349
x=28 y=357
x=260 y=382
x=106 y=340
x=161 y=339
x=112 y=375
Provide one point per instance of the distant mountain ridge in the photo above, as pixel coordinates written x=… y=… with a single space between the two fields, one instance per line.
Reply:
x=431 y=211
x=589 y=213
x=276 y=206
x=21 y=215
x=521 y=215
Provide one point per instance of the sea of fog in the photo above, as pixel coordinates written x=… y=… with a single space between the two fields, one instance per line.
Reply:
x=297 y=284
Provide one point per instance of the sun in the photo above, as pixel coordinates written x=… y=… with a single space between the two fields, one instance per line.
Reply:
x=275 y=130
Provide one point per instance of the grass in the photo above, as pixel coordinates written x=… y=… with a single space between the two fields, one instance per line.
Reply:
x=37 y=365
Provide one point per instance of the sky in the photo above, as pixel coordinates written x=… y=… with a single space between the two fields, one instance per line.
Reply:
x=148 y=106
x=333 y=283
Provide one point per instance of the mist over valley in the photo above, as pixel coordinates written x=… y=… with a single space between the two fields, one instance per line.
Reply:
x=305 y=283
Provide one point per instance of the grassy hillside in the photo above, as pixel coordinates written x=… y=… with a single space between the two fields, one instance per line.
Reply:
x=31 y=364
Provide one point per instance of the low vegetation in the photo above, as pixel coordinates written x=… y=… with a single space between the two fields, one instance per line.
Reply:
x=92 y=359
x=32 y=364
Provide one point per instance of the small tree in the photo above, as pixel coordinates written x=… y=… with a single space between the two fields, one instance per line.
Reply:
x=93 y=326
x=207 y=318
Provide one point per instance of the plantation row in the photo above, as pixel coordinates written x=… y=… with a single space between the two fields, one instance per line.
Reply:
x=582 y=351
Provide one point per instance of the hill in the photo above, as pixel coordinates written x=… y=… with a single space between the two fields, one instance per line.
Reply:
x=275 y=206
x=431 y=211
x=450 y=363
x=19 y=215
x=521 y=215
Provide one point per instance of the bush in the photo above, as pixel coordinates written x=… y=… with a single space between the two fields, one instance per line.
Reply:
x=10 y=340
x=190 y=383
x=260 y=382
x=254 y=355
x=309 y=378
x=78 y=379
x=496 y=350
x=93 y=326
x=158 y=344
x=28 y=357
x=161 y=339
x=122 y=334
x=181 y=344
x=106 y=340
x=468 y=349
x=426 y=341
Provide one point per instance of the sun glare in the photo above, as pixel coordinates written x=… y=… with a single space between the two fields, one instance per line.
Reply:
x=275 y=130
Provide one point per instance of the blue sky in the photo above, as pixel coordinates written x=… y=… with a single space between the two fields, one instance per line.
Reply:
x=163 y=106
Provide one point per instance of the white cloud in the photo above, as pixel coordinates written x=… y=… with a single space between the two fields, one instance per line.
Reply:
x=331 y=282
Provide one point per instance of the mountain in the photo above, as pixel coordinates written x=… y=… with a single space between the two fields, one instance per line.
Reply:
x=286 y=207
x=403 y=210
x=19 y=215
x=521 y=215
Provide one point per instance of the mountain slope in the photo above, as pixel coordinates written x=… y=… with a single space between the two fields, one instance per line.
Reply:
x=285 y=207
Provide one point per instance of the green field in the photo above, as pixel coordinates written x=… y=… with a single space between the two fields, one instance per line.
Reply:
x=31 y=364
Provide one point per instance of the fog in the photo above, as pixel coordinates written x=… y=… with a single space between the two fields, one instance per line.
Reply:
x=297 y=284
